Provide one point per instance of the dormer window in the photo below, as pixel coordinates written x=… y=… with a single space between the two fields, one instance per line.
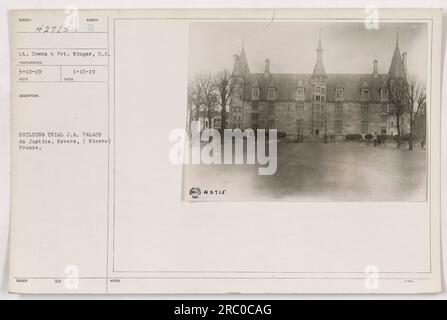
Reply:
x=364 y=94
x=339 y=94
x=271 y=94
x=255 y=93
x=384 y=94
x=299 y=94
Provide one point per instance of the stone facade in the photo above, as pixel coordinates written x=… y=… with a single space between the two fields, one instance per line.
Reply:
x=317 y=104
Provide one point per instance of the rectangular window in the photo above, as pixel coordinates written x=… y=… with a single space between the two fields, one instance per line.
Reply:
x=254 y=116
x=338 y=126
x=271 y=107
x=384 y=108
x=364 y=110
x=235 y=90
x=300 y=94
x=364 y=126
x=255 y=93
x=271 y=124
x=300 y=108
x=364 y=94
x=338 y=109
x=300 y=124
x=382 y=130
x=271 y=94
x=338 y=94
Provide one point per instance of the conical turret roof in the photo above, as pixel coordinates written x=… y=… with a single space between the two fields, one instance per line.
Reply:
x=319 y=67
x=397 y=66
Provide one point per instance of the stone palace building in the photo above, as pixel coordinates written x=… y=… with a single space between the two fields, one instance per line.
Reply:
x=309 y=106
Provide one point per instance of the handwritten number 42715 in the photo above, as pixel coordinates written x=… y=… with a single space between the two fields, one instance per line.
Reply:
x=51 y=29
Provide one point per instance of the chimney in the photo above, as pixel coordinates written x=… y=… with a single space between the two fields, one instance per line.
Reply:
x=375 y=67
x=404 y=62
x=267 y=68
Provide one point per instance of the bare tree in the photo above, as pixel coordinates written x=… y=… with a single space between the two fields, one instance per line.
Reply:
x=209 y=97
x=196 y=96
x=224 y=91
x=398 y=100
x=415 y=100
x=206 y=93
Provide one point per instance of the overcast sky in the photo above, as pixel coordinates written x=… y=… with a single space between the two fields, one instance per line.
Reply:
x=348 y=47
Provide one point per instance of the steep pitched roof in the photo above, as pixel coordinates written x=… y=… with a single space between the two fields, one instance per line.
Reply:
x=256 y=84
x=243 y=64
x=286 y=84
x=397 y=66
x=319 y=67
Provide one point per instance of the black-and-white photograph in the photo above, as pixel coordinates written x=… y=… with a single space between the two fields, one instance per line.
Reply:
x=347 y=105
x=252 y=151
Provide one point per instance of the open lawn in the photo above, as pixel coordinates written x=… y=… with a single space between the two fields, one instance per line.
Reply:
x=321 y=172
